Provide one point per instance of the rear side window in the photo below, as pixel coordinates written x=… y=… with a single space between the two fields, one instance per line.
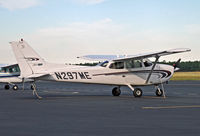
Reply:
x=117 y=65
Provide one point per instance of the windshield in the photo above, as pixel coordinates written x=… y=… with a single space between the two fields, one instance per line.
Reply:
x=147 y=62
x=104 y=64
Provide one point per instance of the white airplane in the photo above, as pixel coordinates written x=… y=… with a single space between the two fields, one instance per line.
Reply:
x=10 y=75
x=130 y=71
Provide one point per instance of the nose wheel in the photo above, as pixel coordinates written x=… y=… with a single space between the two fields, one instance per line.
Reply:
x=32 y=87
x=116 y=91
x=159 y=92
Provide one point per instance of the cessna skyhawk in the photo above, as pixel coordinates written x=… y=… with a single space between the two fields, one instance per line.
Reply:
x=130 y=71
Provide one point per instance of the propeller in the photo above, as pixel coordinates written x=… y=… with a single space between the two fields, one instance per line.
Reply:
x=175 y=65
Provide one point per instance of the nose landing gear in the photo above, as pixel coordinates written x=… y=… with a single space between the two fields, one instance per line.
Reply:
x=159 y=92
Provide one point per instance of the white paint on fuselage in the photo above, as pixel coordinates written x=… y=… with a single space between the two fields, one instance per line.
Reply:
x=105 y=75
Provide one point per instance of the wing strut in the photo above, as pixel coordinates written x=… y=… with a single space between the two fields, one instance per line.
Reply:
x=157 y=58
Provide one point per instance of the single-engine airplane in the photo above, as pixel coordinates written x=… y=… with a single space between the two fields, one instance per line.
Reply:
x=131 y=71
x=10 y=75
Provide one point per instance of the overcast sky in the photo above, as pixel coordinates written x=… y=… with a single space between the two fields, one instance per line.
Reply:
x=61 y=30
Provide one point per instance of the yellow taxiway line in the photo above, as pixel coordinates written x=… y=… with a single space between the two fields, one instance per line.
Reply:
x=172 y=107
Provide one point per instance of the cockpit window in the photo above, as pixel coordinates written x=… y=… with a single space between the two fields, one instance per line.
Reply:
x=133 y=64
x=104 y=64
x=117 y=65
x=147 y=63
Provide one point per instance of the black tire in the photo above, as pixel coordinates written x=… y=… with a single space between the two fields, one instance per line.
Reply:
x=15 y=87
x=137 y=92
x=116 y=91
x=159 y=92
x=6 y=87
x=32 y=87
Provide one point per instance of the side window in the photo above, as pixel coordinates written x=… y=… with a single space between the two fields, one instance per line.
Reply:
x=147 y=63
x=133 y=64
x=117 y=65
x=10 y=70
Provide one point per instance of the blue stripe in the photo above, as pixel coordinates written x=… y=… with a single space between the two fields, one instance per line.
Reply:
x=9 y=76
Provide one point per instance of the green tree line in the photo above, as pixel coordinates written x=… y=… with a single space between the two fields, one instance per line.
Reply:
x=186 y=65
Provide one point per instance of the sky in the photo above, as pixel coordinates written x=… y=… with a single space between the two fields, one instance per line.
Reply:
x=61 y=30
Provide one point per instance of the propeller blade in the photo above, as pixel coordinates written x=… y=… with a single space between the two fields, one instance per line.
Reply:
x=176 y=64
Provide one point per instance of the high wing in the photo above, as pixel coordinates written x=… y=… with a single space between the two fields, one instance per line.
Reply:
x=103 y=57
x=127 y=57
x=156 y=54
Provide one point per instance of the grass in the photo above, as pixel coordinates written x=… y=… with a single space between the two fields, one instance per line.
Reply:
x=186 y=76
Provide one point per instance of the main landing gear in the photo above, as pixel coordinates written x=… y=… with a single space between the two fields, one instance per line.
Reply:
x=137 y=92
x=116 y=91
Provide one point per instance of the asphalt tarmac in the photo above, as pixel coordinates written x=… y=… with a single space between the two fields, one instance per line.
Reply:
x=69 y=109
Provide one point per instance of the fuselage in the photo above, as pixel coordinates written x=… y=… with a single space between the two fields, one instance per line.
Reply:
x=109 y=75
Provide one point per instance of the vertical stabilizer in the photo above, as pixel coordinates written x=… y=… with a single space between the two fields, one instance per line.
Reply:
x=29 y=61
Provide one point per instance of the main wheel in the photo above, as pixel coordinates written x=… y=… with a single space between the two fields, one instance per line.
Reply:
x=116 y=91
x=7 y=87
x=15 y=87
x=137 y=92
x=159 y=92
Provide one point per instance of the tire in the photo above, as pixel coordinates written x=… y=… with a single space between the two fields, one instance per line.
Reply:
x=15 y=87
x=137 y=92
x=159 y=92
x=116 y=91
x=32 y=87
x=6 y=87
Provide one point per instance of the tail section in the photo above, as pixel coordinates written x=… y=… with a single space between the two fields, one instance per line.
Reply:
x=29 y=61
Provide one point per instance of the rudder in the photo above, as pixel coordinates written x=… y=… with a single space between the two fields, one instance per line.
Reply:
x=29 y=61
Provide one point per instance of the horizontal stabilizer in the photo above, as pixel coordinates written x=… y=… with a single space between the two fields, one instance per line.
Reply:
x=33 y=76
